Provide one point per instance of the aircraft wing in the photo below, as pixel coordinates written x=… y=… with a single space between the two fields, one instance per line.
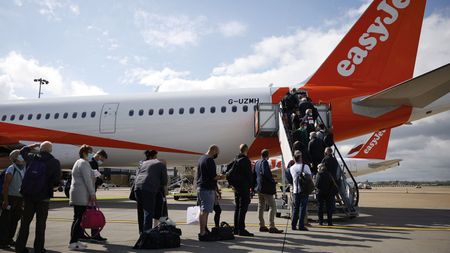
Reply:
x=417 y=92
x=384 y=165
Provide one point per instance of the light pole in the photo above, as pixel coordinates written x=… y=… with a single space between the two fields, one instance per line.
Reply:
x=41 y=82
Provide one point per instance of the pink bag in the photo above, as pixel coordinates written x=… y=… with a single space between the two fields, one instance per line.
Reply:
x=93 y=218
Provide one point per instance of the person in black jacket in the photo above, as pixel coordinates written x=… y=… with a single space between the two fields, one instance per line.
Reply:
x=331 y=163
x=242 y=191
x=316 y=149
x=98 y=159
x=38 y=204
x=326 y=190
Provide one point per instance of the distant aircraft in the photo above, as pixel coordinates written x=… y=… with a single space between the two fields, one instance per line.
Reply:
x=363 y=86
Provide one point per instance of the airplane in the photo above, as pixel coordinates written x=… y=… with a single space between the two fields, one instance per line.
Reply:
x=363 y=159
x=366 y=84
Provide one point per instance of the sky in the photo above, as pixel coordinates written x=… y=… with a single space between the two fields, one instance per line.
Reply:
x=129 y=47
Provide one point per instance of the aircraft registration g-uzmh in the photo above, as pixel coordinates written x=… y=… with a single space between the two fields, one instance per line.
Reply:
x=366 y=82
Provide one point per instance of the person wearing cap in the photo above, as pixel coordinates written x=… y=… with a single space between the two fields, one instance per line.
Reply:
x=151 y=178
x=12 y=204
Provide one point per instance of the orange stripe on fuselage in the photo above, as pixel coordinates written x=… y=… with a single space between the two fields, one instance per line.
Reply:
x=13 y=133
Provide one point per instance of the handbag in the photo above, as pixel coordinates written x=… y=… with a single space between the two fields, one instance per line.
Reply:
x=93 y=218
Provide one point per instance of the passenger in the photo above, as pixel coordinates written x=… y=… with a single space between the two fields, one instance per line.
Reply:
x=321 y=132
x=326 y=191
x=309 y=120
x=149 y=154
x=242 y=191
x=300 y=200
x=266 y=189
x=328 y=139
x=206 y=187
x=150 y=181
x=296 y=119
x=37 y=199
x=98 y=159
x=301 y=134
x=305 y=105
x=12 y=204
x=316 y=148
x=331 y=163
x=298 y=145
x=82 y=194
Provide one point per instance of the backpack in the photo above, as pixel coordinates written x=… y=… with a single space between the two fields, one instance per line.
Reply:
x=231 y=173
x=35 y=182
x=305 y=182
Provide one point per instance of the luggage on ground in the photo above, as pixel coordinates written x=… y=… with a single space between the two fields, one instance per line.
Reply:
x=224 y=232
x=163 y=236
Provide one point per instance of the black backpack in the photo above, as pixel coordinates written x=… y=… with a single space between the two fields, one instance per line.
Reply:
x=305 y=182
x=163 y=236
x=35 y=184
x=231 y=174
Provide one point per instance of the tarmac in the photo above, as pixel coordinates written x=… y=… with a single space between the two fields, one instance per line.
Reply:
x=391 y=220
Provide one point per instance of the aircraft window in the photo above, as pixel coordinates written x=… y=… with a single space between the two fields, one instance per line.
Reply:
x=38 y=116
x=234 y=108
x=171 y=111
x=47 y=115
x=83 y=115
x=161 y=111
x=213 y=109
x=21 y=117
x=150 y=112
x=30 y=116
x=92 y=114
x=245 y=108
x=141 y=112
x=74 y=115
x=4 y=117
x=65 y=115
x=131 y=113
x=202 y=109
x=223 y=109
x=191 y=110
x=12 y=117
x=56 y=115
x=181 y=111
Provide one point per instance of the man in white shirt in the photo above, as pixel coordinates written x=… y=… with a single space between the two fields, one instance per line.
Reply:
x=300 y=199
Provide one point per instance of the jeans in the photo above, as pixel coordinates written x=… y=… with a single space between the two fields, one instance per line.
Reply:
x=300 y=205
x=329 y=202
x=147 y=200
x=268 y=199
x=242 y=200
x=76 y=232
x=9 y=220
x=31 y=207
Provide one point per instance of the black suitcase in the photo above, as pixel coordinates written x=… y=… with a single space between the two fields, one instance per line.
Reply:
x=161 y=237
x=224 y=232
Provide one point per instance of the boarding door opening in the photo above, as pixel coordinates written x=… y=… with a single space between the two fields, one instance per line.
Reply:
x=108 y=118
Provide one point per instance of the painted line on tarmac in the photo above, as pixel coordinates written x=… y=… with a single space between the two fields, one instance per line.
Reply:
x=99 y=199
x=283 y=225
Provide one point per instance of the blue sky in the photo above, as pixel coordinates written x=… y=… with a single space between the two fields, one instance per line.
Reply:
x=118 y=47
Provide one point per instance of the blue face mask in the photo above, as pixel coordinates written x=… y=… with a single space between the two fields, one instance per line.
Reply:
x=90 y=156
x=20 y=158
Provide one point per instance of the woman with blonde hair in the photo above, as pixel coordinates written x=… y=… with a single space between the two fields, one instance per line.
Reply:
x=82 y=193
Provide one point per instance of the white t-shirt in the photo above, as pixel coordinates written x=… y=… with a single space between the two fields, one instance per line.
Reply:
x=295 y=172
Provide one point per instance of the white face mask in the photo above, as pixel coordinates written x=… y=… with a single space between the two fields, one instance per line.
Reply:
x=99 y=162
x=90 y=156
x=20 y=158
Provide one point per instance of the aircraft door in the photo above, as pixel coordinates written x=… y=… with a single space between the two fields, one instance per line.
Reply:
x=108 y=118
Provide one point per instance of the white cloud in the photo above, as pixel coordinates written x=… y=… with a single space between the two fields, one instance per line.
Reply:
x=18 y=3
x=169 y=31
x=232 y=29
x=75 y=9
x=17 y=74
x=53 y=9
x=356 y=12
x=153 y=77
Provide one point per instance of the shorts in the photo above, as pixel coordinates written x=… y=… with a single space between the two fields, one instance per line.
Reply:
x=206 y=199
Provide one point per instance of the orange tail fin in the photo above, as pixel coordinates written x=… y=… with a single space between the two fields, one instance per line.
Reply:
x=375 y=148
x=379 y=50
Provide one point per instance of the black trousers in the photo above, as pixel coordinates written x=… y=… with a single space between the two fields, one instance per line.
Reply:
x=328 y=202
x=76 y=231
x=31 y=207
x=242 y=201
x=9 y=220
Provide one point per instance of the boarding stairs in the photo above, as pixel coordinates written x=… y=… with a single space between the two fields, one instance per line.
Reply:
x=269 y=123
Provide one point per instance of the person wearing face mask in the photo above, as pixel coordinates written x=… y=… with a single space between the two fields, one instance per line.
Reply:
x=12 y=204
x=206 y=188
x=82 y=193
x=95 y=161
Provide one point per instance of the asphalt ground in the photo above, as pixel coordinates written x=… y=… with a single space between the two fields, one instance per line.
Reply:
x=391 y=220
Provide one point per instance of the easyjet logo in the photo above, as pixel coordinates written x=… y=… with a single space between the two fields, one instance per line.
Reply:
x=376 y=32
x=374 y=141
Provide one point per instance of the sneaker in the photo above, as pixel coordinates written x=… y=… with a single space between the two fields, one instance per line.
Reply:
x=245 y=233
x=263 y=229
x=275 y=230
x=77 y=246
x=84 y=238
x=98 y=239
x=303 y=229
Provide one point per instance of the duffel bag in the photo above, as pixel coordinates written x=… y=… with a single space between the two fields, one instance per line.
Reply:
x=224 y=232
x=160 y=237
